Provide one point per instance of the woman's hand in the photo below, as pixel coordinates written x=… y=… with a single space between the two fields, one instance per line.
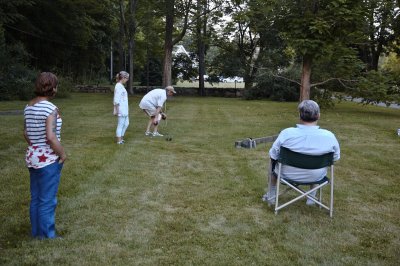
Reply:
x=62 y=158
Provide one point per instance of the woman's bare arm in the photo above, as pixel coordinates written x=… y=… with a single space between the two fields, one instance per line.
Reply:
x=51 y=129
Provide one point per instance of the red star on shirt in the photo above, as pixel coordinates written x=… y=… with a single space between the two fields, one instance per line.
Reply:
x=42 y=158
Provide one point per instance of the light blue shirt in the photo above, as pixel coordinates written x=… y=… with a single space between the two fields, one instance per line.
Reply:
x=309 y=140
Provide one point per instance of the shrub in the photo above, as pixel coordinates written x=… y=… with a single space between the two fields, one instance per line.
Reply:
x=274 y=88
x=377 y=86
x=17 y=82
x=15 y=77
x=65 y=87
x=153 y=77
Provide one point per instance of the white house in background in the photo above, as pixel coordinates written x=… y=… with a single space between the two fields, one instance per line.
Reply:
x=179 y=49
x=233 y=79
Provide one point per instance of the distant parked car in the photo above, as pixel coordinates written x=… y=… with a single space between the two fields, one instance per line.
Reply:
x=205 y=77
x=239 y=79
x=233 y=79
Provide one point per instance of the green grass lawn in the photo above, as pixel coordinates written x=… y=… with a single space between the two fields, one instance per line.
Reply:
x=196 y=200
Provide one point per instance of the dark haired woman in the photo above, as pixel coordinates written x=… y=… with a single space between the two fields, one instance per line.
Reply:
x=44 y=156
x=121 y=108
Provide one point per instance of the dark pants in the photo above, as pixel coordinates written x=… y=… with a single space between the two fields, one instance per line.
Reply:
x=44 y=187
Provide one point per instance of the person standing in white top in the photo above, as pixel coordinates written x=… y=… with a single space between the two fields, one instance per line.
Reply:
x=152 y=104
x=121 y=108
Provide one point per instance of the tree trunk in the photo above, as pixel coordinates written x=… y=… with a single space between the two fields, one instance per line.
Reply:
x=147 y=67
x=249 y=80
x=132 y=31
x=121 y=38
x=168 y=45
x=201 y=48
x=169 y=41
x=201 y=68
x=375 y=54
x=305 y=78
x=131 y=49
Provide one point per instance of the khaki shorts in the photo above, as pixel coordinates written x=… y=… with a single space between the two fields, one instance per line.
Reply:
x=150 y=112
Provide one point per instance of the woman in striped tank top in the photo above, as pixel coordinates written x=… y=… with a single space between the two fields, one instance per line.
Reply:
x=44 y=156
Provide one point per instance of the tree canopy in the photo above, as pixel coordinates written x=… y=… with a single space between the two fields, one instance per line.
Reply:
x=307 y=46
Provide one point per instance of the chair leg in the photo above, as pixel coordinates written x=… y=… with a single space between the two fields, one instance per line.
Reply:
x=278 y=181
x=269 y=176
x=331 y=202
x=302 y=195
x=320 y=196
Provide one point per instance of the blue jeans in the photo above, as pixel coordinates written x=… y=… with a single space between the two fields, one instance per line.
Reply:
x=44 y=187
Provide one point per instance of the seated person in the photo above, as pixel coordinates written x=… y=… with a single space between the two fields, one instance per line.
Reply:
x=306 y=138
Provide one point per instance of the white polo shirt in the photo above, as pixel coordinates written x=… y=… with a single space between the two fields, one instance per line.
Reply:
x=153 y=99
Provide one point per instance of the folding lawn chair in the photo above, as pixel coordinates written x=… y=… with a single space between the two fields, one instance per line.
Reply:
x=304 y=161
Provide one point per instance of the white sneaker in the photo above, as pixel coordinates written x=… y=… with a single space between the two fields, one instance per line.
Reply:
x=311 y=202
x=148 y=133
x=156 y=134
x=269 y=197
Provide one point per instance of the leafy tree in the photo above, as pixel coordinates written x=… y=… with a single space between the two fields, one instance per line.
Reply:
x=183 y=67
x=314 y=28
x=375 y=87
x=149 y=41
x=122 y=33
x=174 y=9
x=392 y=63
x=250 y=41
x=273 y=87
x=178 y=21
x=201 y=35
x=152 y=76
x=15 y=76
x=68 y=36
x=131 y=37
x=381 y=30
x=9 y=10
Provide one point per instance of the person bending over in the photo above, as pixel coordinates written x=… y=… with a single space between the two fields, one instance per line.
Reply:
x=152 y=104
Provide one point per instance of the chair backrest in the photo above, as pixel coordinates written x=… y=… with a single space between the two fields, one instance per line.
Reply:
x=304 y=161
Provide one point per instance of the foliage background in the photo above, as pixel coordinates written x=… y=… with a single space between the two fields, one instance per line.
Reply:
x=345 y=40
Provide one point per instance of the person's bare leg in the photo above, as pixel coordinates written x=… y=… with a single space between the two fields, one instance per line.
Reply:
x=149 y=125
x=155 y=129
